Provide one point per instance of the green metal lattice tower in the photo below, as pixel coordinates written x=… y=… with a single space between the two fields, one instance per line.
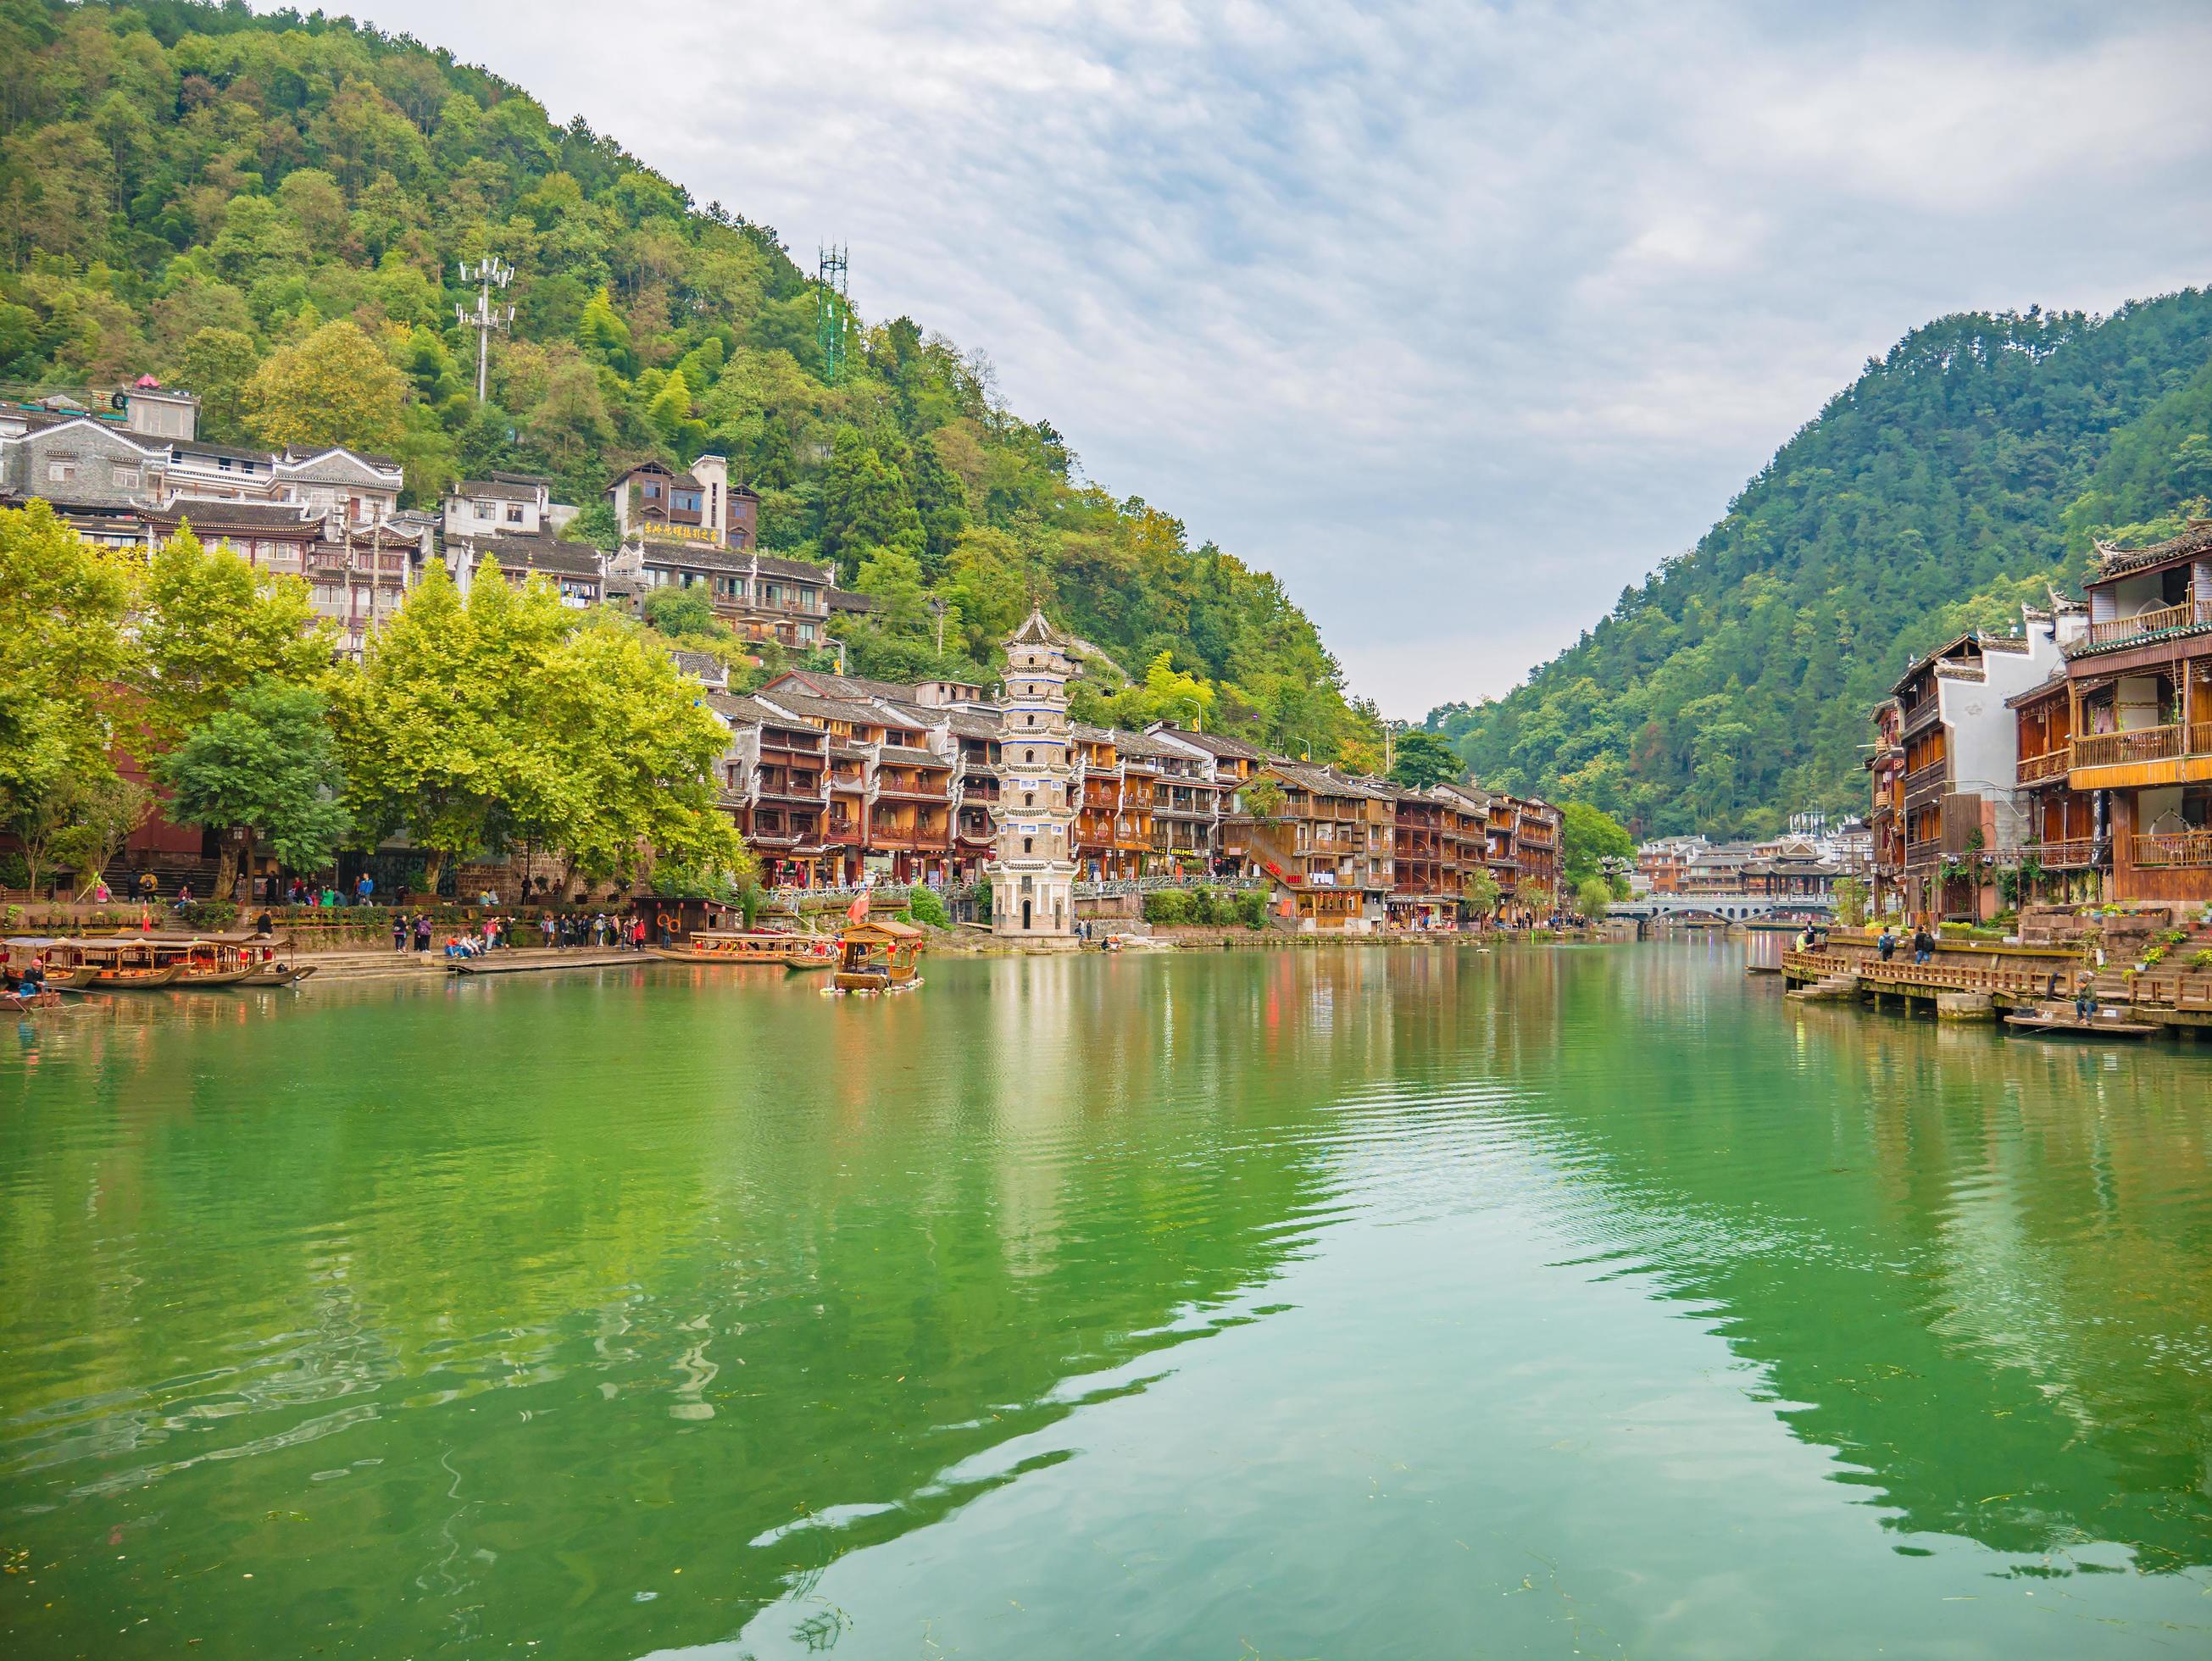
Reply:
x=832 y=308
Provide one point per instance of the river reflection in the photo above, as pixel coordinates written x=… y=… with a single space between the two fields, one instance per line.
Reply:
x=474 y=1315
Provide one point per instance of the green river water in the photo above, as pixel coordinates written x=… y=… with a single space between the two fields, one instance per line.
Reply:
x=1355 y=1303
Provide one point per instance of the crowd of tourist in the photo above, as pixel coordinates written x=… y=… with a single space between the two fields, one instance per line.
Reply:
x=603 y=931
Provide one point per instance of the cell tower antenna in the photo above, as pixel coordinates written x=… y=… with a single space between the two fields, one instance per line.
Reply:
x=487 y=275
x=832 y=307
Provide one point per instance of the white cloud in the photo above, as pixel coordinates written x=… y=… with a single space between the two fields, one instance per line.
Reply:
x=1460 y=316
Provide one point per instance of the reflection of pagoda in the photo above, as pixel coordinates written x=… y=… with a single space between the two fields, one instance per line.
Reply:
x=1032 y=871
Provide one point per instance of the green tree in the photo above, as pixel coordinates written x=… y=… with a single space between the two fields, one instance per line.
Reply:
x=1588 y=836
x=1423 y=759
x=1592 y=896
x=864 y=505
x=334 y=387
x=683 y=614
x=1479 y=891
x=217 y=364
x=103 y=812
x=1851 y=902
x=210 y=625
x=265 y=769
x=63 y=649
x=430 y=736
x=630 y=753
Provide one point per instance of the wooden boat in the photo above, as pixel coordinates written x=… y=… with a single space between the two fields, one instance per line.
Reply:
x=63 y=973
x=2063 y=1023
x=879 y=955
x=808 y=953
x=277 y=974
x=207 y=960
x=16 y=1003
x=123 y=964
x=761 y=947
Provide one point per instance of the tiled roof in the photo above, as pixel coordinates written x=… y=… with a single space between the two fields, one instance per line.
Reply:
x=741 y=709
x=855 y=687
x=263 y=516
x=1217 y=744
x=971 y=724
x=772 y=566
x=499 y=488
x=2195 y=539
x=908 y=757
x=1138 y=744
x=822 y=709
x=547 y=554
x=704 y=666
x=846 y=599
x=693 y=555
x=180 y=447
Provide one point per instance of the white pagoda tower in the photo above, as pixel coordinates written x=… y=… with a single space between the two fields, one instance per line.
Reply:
x=1032 y=867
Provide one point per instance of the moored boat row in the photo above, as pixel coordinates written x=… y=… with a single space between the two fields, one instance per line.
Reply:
x=147 y=962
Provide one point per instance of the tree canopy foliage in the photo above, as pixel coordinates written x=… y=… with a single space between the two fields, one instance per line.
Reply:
x=270 y=210
x=1959 y=474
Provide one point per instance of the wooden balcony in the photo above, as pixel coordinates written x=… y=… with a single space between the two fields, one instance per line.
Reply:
x=2118 y=631
x=2119 y=749
x=2053 y=764
x=2079 y=854
x=1929 y=773
x=2172 y=754
x=2180 y=847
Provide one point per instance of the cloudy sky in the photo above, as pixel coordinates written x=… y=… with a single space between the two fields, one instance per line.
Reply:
x=1457 y=316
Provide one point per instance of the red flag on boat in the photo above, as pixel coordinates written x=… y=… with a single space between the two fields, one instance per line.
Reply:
x=860 y=912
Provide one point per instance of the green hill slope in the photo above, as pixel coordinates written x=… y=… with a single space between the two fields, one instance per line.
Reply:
x=194 y=192
x=1957 y=476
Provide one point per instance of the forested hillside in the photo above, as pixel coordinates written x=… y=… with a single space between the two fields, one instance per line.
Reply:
x=269 y=210
x=1959 y=474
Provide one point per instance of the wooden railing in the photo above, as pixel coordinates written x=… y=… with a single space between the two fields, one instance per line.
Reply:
x=2187 y=615
x=2117 y=749
x=1903 y=971
x=1930 y=773
x=2050 y=764
x=2189 y=847
x=2200 y=734
x=2070 y=855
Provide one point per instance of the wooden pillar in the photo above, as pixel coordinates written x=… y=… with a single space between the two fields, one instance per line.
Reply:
x=2123 y=845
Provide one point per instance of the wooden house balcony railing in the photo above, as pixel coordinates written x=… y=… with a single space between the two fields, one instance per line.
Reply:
x=2179 y=848
x=2119 y=749
x=1930 y=773
x=2053 y=764
x=2200 y=734
x=2074 y=853
x=2114 y=631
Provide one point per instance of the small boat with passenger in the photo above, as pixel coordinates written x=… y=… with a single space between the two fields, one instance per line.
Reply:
x=879 y=955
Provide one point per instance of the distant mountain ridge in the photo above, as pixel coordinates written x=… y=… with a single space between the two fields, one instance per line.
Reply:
x=1962 y=473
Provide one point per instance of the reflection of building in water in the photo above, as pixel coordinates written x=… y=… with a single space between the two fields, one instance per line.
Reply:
x=1043 y=1079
